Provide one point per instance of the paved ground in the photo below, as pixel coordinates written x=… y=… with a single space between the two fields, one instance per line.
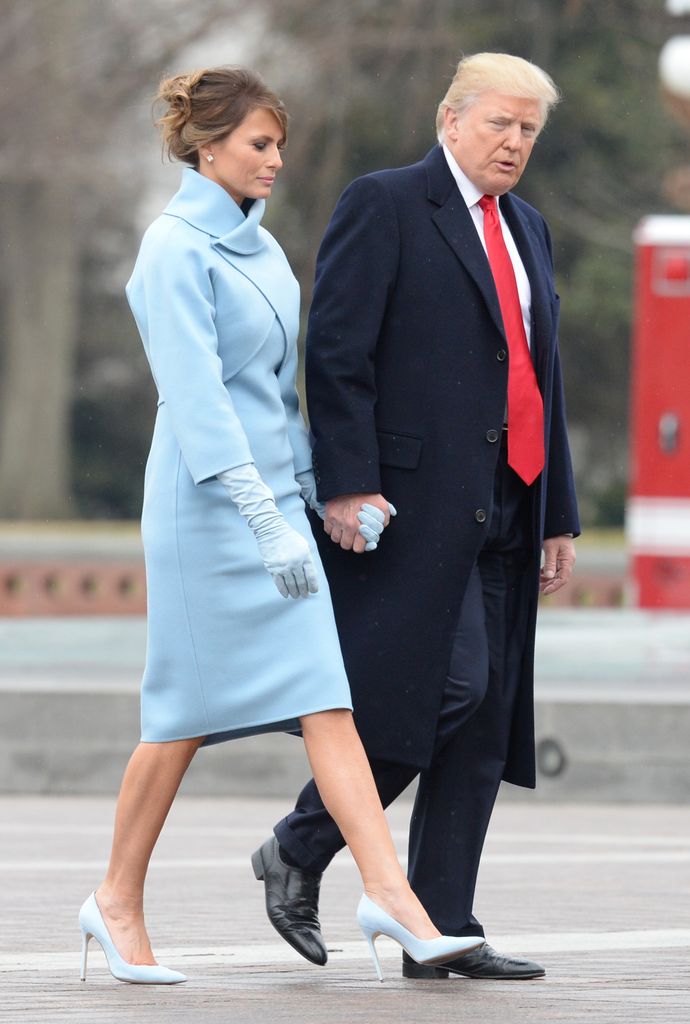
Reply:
x=599 y=894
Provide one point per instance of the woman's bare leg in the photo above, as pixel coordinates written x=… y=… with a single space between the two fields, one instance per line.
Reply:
x=150 y=782
x=346 y=786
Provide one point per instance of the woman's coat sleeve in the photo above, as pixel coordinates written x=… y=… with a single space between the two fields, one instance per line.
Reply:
x=171 y=296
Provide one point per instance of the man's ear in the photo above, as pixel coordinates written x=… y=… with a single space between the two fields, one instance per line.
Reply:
x=450 y=124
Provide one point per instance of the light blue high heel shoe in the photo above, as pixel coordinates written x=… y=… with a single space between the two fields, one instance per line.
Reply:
x=374 y=922
x=93 y=926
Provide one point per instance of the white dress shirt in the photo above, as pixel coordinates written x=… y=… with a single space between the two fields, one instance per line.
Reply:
x=471 y=194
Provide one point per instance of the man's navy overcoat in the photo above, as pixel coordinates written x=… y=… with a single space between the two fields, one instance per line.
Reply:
x=407 y=370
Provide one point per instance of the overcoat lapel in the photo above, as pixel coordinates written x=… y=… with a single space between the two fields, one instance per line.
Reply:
x=249 y=249
x=240 y=240
x=454 y=221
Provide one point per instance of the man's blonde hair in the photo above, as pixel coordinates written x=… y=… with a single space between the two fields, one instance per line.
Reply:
x=497 y=72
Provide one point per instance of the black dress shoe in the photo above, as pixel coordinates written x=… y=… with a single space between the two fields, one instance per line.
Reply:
x=483 y=962
x=292 y=901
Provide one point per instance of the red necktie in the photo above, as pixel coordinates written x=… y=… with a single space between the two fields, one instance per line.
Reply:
x=525 y=406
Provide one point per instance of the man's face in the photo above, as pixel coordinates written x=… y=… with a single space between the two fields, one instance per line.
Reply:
x=492 y=140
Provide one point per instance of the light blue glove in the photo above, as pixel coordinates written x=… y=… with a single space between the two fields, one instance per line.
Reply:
x=307 y=486
x=371 y=519
x=284 y=552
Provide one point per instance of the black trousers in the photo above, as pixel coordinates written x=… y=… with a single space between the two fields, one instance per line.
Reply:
x=456 y=794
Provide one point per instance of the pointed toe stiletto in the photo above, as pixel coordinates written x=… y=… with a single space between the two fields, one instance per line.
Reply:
x=374 y=922
x=93 y=926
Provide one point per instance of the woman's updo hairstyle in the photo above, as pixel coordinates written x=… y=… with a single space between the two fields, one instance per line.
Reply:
x=207 y=105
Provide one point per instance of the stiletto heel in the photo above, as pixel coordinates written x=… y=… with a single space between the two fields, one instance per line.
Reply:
x=370 y=937
x=93 y=926
x=374 y=921
x=84 y=952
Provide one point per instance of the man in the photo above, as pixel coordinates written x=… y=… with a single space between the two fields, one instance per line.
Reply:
x=434 y=383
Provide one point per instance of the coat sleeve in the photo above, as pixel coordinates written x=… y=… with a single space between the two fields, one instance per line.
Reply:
x=355 y=272
x=561 y=515
x=171 y=295
x=297 y=431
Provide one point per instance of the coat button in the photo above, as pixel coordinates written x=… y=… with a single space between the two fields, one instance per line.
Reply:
x=492 y=436
x=501 y=355
x=480 y=515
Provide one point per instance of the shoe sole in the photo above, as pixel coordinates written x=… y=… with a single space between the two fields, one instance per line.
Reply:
x=424 y=972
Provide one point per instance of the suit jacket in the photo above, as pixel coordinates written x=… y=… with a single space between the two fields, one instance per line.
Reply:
x=407 y=375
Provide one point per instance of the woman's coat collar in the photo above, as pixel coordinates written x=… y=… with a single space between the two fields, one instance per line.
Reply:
x=207 y=206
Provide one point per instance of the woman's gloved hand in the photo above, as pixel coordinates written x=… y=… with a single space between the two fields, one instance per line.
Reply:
x=284 y=552
x=372 y=521
x=286 y=555
x=307 y=486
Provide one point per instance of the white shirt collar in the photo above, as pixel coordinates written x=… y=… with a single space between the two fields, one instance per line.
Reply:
x=469 y=192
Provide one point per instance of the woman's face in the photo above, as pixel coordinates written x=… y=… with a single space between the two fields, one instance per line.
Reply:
x=247 y=160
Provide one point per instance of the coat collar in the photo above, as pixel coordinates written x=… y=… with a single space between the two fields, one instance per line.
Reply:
x=454 y=221
x=208 y=207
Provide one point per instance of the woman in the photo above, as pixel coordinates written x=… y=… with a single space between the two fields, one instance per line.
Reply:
x=224 y=523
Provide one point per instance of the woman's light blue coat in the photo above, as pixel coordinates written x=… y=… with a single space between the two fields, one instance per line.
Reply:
x=217 y=308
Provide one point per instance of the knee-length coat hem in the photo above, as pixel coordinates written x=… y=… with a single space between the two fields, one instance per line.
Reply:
x=235 y=732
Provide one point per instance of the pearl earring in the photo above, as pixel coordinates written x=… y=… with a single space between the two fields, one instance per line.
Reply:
x=209 y=157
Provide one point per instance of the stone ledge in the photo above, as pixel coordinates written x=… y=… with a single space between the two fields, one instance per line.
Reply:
x=79 y=743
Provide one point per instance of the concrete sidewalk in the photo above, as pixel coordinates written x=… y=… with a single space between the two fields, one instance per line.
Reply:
x=599 y=894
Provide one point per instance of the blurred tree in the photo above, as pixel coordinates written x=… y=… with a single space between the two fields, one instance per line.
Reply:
x=67 y=69
x=362 y=81
x=114 y=398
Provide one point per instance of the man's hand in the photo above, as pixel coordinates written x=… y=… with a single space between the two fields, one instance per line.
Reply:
x=559 y=559
x=342 y=522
